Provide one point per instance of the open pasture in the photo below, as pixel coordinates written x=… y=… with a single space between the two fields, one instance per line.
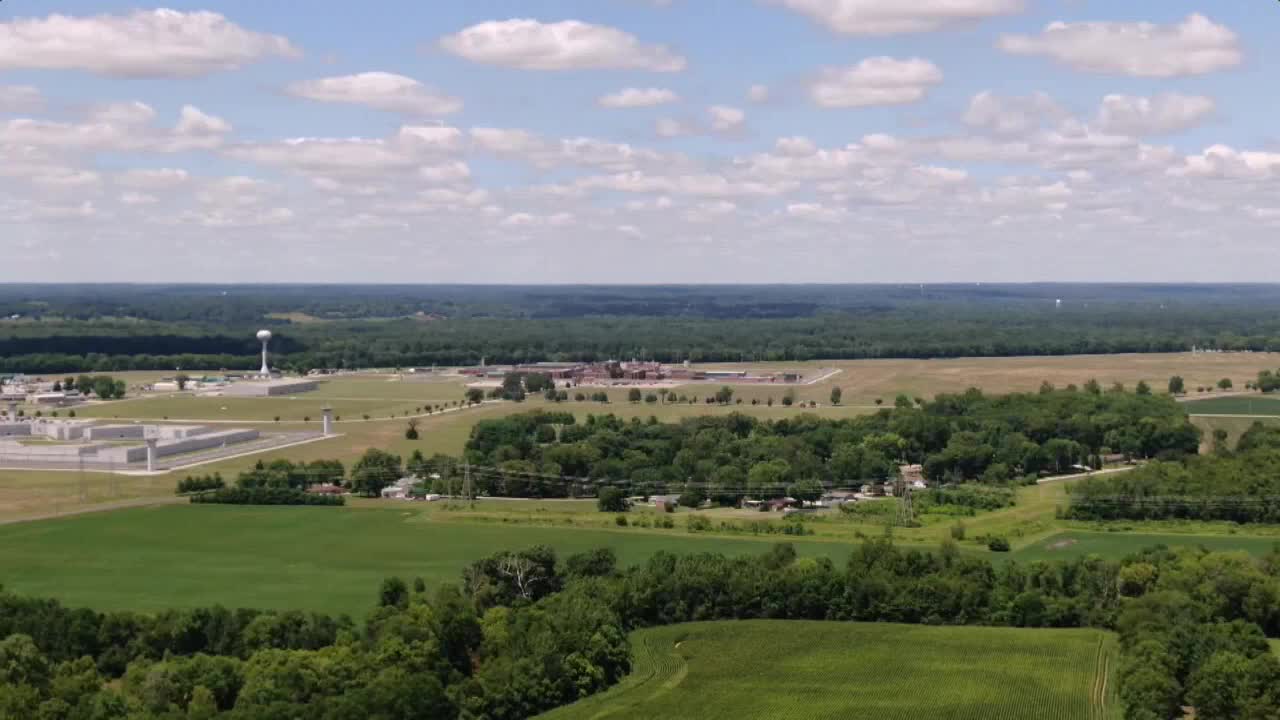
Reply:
x=776 y=670
x=1116 y=545
x=863 y=381
x=1235 y=405
x=325 y=559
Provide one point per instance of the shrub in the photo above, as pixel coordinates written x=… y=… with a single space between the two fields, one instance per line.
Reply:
x=266 y=496
x=698 y=523
x=998 y=544
x=957 y=531
x=620 y=521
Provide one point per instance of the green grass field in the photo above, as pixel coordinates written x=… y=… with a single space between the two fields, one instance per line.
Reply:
x=1240 y=405
x=326 y=559
x=775 y=670
x=1116 y=545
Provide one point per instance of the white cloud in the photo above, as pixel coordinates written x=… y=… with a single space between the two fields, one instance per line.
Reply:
x=638 y=97
x=445 y=173
x=1195 y=46
x=1140 y=116
x=123 y=113
x=1002 y=115
x=875 y=81
x=1223 y=161
x=567 y=45
x=145 y=43
x=758 y=94
x=136 y=198
x=672 y=128
x=20 y=98
x=378 y=90
x=193 y=121
x=160 y=179
x=726 y=119
x=889 y=17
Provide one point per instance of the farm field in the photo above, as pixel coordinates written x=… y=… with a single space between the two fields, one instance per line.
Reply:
x=1115 y=545
x=793 y=669
x=863 y=381
x=324 y=559
x=1236 y=405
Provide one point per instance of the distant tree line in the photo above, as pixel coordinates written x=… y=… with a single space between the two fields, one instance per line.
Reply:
x=527 y=631
x=165 y=328
x=961 y=438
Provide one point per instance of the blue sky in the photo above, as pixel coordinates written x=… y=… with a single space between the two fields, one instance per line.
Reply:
x=472 y=141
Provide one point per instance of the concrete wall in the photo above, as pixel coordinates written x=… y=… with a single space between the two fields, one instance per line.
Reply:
x=167 y=448
x=180 y=432
x=15 y=430
x=62 y=430
x=116 y=432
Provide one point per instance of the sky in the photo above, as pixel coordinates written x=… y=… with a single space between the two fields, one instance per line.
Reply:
x=639 y=141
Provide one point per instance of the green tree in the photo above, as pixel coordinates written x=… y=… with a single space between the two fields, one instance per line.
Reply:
x=1176 y=385
x=375 y=470
x=411 y=432
x=1142 y=388
x=836 y=395
x=612 y=500
x=634 y=395
x=475 y=396
x=182 y=379
x=1225 y=384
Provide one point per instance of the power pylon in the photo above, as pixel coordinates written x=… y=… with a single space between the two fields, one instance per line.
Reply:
x=906 y=513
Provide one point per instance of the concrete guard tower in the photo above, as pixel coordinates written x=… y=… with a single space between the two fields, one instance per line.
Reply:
x=264 y=337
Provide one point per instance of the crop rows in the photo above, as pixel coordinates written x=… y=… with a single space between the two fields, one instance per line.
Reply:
x=802 y=670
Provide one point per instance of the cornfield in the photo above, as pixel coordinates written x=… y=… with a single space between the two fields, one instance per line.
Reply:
x=788 y=670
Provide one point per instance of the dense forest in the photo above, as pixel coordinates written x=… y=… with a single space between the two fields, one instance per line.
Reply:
x=1241 y=486
x=527 y=631
x=102 y=328
x=968 y=437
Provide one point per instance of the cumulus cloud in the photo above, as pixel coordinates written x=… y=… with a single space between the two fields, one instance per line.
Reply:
x=637 y=98
x=378 y=90
x=1195 y=46
x=1002 y=115
x=875 y=81
x=725 y=119
x=566 y=45
x=890 y=17
x=1140 y=116
x=144 y=43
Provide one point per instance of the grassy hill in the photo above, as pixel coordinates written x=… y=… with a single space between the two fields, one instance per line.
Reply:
x=777 y=670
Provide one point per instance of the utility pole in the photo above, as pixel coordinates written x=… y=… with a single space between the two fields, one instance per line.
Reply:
x=466 y=483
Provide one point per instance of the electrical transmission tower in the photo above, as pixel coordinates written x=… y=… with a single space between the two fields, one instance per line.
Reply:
x=906 y=513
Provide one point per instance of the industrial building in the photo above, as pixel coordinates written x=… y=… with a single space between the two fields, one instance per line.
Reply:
x=271 y=388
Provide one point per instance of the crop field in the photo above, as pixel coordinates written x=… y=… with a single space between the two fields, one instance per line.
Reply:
x=1116 y=545
x=325 y=559
x=791 y=669
x=1235 y=405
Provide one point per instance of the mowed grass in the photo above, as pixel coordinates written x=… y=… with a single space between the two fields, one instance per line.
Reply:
x=1117 y=545
x=324 y=559
x=1236 y=405
x=777 y=670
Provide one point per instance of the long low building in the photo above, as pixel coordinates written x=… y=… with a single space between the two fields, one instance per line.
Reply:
x=271 y=388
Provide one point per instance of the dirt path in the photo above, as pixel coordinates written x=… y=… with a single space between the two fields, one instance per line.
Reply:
x=101 y=507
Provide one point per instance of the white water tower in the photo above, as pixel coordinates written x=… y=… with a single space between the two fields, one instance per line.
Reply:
x=264 y=337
